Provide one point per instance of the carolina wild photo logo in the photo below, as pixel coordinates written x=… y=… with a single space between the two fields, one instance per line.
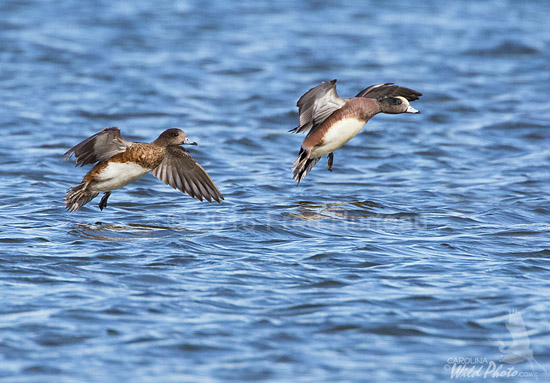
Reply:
x=516 y=352
x=520 y=349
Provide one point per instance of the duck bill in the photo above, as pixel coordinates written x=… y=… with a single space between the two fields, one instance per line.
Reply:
x=410 y=109
x=187 y=141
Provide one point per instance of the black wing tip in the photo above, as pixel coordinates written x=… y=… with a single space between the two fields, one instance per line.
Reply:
x=216 y=196
x=67 y=157
x=413 y=95
x=397 y=90
x=298 y=129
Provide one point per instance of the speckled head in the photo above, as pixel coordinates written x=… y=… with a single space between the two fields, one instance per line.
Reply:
x=173 y=137
x=396 y=105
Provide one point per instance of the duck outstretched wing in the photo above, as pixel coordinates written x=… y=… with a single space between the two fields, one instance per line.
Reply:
x=389 y=89
x=316 y=105
x=179 y=170
x=99 y=147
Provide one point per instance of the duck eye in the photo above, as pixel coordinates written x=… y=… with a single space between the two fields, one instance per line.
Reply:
x=175 y=134
x=396 y=101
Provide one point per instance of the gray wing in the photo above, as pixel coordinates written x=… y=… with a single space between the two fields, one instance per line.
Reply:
x=316 y=105
x=179 y=170
x=99 y=147
x=379 y=91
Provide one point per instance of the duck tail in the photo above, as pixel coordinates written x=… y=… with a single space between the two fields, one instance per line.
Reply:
x=303 y=165
x=78 y=196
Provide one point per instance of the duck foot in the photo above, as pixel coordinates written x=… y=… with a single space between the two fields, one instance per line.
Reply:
x=103 y=202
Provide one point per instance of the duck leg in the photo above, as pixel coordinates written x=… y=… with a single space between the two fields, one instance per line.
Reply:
x=330 y=160
x=103 y=202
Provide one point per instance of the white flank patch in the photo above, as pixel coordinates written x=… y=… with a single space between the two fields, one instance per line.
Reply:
x=337 y=135
x=118 y=174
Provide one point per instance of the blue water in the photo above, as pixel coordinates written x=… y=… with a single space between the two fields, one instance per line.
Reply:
x=412 y=256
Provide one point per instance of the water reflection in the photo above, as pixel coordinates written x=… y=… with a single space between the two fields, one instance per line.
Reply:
x=117 y=232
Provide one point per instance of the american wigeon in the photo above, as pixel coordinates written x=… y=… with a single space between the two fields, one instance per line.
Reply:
x=333 y=121
x=121 y=162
